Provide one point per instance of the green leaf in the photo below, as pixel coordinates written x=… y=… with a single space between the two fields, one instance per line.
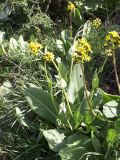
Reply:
x=13 y=44
x=77 y=118
x=88 y=117
x=111 y=136
x=66 y=35
x=77 y=18
x=87 y=29
x=22 y=43
x=72 y=153
x=61 y=83
x=95 y=81
x=99 y=123
x=67 y=46
x=60 y=46
x=63 y=71
x=55 y=139
x=97 y=99
x=32 y=38
x=96 y=143
x=42 y=104
x=109 y=97
x=84 y=107
x=117 y=125
x=76 y=83
x=62 y=114
x=76 y=146
x=111 y=109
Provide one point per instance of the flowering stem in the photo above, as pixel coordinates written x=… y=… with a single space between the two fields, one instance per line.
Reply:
x=116 y=74
x=65 y=94
x=50 y=87
x=85 y=86
x=102 y=67
x=71 y=67
x=71 y=21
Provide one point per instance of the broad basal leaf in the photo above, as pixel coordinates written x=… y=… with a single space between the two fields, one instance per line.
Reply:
x=42 y=104
x=55 y=139
x=77 y=145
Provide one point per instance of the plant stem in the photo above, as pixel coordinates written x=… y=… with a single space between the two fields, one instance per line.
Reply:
x=65 y=94
x=85 y=86
x=71 y=67
x=50 y=87
x=47 y=78
x=71 y=21
x=68 y=104
x=102 y=67
x=107 y=153
x=116 y=74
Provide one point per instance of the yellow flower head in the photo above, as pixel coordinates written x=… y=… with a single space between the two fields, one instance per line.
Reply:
x=112 y=40
x=108 y=52
x=48 y=56
x=76 y=57
x=83 y=43
x=82 y=50
x=70 y=6
x=35 y=47
x=96 y=23
x=112 y=35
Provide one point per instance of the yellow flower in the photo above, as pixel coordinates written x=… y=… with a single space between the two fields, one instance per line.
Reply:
x=48 y=56
x=70 y=6
x=108 y=52
x=112 y=40
x=76 y=57
x=96 y=23
x=84 y=44
x=82 y=50
x=35 y=47
x=107 y=38
x=87 y=58
x=114 y=34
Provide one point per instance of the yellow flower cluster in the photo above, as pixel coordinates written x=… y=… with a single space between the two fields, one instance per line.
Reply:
x=108 y=52
x=82 y=50
x=70 y=6
x=48 y=56
x=96 y=23
x=112 y=40
x=35 y=47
